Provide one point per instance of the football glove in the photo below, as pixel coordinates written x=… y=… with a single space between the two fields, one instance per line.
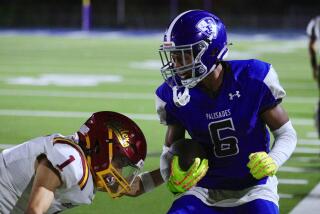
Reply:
x=181 y=181
x=261 y=165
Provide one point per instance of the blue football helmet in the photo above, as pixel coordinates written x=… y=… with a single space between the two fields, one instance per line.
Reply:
x=198 y=40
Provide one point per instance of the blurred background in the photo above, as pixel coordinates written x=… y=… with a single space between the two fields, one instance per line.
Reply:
x=61 y=60
x=142 y=14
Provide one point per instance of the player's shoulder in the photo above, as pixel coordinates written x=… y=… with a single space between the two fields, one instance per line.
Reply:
x=313 y=27
x=67 y=157
x=164 y=91
x=249 y=69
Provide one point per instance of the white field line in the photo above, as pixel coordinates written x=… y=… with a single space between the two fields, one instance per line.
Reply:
x=297 y=169
x=302 y=121
x=283 y=195
x=116 y=95
x=310 y=142
x=293 y=181
x=303 y=100
x=77 y=94
x=310 y=204
x=305 y=150
x=305 y=159
x=35 y=113
x=312 y=135
x=64 y=114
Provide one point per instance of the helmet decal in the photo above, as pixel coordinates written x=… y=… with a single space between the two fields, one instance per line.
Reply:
x=208 y=27
x=121 y=134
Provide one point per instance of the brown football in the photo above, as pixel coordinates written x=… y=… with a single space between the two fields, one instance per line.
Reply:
x=187 y=150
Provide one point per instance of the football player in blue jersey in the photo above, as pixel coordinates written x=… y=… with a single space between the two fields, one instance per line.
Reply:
x=228 y=107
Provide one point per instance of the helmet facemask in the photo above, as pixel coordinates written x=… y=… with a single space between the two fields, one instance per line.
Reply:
x=189 y=60
x=118 y=177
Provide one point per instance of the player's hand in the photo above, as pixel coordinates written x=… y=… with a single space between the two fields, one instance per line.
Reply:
x=181 y=181
x=261 y=165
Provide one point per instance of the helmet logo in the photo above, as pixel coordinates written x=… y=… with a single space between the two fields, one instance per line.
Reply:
x=110 y=180
x=121 y=134
x=208 y=27
x=123 y=138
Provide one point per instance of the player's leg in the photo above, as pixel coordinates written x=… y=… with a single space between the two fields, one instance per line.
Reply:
x=189 y=204
x=258 y=206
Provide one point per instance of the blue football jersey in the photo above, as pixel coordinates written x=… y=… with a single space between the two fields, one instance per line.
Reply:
x=228 y=124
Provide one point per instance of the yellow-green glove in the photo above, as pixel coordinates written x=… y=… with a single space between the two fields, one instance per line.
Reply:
x=261 y=165
x=181 y=181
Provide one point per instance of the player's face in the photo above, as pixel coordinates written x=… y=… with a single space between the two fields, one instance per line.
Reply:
x=181 y=59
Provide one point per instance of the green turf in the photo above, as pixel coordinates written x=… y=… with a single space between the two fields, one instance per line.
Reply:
x=34 y=56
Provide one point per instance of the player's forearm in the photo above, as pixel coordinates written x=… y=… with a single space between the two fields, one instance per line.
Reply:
x=285 y=143
x=157 y=178
x=151 y=180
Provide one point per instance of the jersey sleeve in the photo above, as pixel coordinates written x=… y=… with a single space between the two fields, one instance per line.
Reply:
x=273 y=92
x=164 y=105
x=310 y=27
x=69 y=161
x=313 y=27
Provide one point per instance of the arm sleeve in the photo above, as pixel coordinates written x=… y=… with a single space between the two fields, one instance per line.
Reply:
x=284 y=144
x=310 y=27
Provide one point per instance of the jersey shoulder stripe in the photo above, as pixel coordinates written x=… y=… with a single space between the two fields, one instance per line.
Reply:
x=85 y=176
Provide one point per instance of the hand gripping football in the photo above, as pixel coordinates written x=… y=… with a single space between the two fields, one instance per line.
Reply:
x=188 y=166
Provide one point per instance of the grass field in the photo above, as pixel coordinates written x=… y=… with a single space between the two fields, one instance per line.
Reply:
x=51 y=84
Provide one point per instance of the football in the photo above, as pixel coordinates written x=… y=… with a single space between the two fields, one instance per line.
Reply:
x=187 y=150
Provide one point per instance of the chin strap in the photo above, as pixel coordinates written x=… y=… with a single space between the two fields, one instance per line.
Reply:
x=180 y=99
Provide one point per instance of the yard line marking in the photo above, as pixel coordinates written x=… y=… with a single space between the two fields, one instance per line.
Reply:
x=303 y=100
x=302 y=121
x=38 y=113
x=306 y=150
x=77 y=94
x=293 y=181
x=115 y=95
x=306 y=159
x=19 y=112
x=64 y=114
x=282 y=195
x=297 y=169
x=312 y=134
x=309 y=142
x=310 y=204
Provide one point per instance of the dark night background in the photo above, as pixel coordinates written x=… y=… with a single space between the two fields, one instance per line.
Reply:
x=155 y=14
